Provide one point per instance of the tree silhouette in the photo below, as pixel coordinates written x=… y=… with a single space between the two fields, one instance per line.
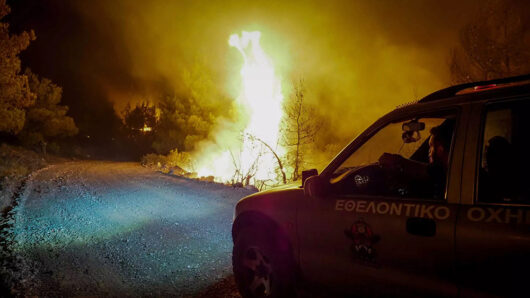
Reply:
x=15 y=94
x=140 y=125
x=141 y=120
x=46 y=120
x=183 y=122
x=299 y=127
x=496 y=43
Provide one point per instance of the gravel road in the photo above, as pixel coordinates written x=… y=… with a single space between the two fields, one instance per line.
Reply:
x=118 y=229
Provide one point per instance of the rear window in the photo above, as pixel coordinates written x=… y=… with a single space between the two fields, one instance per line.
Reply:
x=505 y=156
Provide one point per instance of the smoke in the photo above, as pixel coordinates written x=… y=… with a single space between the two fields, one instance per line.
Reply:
x=358 y=59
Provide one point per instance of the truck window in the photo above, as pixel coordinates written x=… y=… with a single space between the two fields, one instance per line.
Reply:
x=396 y=161
x=504 y=159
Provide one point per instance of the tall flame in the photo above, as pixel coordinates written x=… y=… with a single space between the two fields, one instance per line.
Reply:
x=261 y=100
x=261 y=89
x=262 y=97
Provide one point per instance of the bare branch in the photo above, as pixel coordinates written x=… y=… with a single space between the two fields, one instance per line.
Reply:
x=251 y=137
x=494 y=44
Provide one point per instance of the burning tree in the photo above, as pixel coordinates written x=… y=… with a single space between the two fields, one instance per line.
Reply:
x=140 y=125
x=300 y=125
x=496 y=43
x=261 y=97
x=259 y=107
x=140 y=120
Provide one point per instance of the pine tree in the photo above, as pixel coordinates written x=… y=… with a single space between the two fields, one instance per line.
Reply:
x=15 y=94
x=46 y=120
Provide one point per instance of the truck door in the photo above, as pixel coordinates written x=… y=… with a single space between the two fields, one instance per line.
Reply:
x=385 y=227
x=493 y=231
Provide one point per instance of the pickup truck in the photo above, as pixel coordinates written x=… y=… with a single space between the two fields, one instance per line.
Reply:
x=433 y=199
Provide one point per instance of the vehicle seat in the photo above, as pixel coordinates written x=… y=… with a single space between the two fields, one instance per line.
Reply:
x=499 y=175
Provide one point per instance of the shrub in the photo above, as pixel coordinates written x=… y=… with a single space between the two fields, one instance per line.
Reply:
x=15 y=164
x=153 y=160
x=180 y=159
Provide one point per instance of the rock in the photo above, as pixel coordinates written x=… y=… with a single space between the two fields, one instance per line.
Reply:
x=237 y=184
x=176 y=170
x=207 y=178
x=190 y=175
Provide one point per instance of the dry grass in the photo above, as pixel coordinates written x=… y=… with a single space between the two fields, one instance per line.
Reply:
x=15 y=164
x=177 y=163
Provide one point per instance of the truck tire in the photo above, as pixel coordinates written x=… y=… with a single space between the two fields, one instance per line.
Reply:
x=261 y=267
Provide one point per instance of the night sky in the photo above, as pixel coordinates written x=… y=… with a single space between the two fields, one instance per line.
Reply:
x=361 y=59
x=74 y=55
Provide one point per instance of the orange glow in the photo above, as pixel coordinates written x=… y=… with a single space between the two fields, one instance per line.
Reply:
x=261 y=100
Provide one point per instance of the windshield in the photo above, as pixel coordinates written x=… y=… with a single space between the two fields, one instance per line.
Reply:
x=389 y=140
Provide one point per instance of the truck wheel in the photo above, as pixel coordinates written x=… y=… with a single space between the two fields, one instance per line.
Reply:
x=261 y=269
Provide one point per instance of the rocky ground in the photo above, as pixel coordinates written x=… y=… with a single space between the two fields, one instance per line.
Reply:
x=118 y=229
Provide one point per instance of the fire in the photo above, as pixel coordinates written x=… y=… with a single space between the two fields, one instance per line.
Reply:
x=261 y=89
x=145 y=128
x=261 y=100
x=262 y=97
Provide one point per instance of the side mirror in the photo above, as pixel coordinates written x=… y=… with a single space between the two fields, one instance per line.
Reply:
x=308 y=173
x=315 y=186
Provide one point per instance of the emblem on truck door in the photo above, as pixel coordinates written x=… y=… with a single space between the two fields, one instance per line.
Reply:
x=363 y=239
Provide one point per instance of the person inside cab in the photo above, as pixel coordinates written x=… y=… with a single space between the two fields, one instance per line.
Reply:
x=498 y=181
x=432 y=175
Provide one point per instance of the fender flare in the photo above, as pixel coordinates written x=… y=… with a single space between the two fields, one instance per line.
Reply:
x=261 y=221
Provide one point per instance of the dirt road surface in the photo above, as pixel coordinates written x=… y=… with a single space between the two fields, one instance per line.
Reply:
x=117 y=229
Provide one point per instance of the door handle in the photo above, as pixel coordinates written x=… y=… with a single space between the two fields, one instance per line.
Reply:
x=419 y=226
